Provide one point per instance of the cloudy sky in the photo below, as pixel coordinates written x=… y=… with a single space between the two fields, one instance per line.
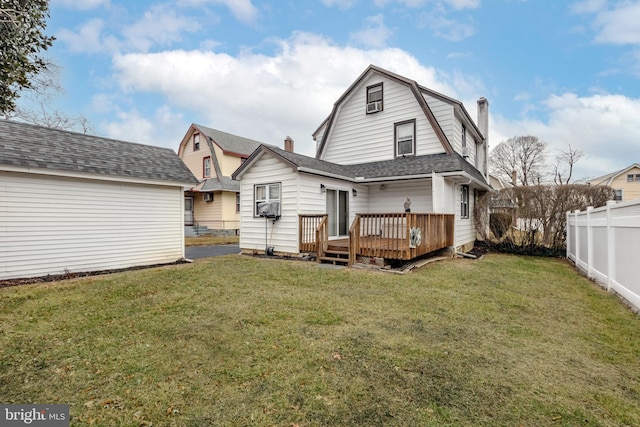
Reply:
x=144 y=70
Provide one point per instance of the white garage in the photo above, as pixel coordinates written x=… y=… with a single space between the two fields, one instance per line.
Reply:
x=73 y=203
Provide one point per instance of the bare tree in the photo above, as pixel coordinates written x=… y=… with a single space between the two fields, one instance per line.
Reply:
x=523 y=155
x=37 y=104
x=565 y=161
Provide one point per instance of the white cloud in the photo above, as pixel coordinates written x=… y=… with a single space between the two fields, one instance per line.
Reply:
x=603 y=126
x=620 y=25
x=447 y=28
x=243 y=10
x=341 y=4
x=265 y=97
x=166 y=129
x=455 y=4
x=88 y=38
x=589 y=6
x=80 y=5
x=375 y=34
x=159 y=26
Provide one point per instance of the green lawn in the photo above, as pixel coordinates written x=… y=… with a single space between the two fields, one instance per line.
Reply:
x=240 y=341
x=210 y=240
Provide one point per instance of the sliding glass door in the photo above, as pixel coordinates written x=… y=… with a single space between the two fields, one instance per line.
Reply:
x=338 y=212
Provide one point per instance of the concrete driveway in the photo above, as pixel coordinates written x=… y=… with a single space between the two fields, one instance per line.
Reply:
x=195 y=252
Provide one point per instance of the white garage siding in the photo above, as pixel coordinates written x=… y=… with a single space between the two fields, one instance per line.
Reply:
x=52 y=225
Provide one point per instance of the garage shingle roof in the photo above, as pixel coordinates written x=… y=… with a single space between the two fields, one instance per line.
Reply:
x=30 y=146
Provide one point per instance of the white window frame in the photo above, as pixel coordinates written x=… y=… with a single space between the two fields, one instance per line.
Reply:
x=464 y=201
x=206 y=167
x=617 y=195
x=464 y=136
x=196 y=141
x=398 y=139
x=269 y=193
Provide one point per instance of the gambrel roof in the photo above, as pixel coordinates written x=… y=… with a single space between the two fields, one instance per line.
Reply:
x=34 y=148
x=229 y=143
x=418 y=91
x=409 y=167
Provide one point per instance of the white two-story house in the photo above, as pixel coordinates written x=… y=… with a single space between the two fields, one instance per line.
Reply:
x=397 y=169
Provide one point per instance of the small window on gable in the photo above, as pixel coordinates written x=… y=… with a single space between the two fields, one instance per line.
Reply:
x=206 y=167
x=405 y=138
x=630 y=178
x=374 y=98
x=464 y=201
x=196 y=141
x=464 y=136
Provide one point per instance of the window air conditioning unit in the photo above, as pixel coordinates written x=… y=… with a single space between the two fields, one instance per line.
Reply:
x=207 y=197
x=465 y=151
x=374 y=107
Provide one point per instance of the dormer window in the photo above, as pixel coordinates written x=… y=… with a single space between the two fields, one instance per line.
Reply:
x=196 y=141
x=374 y=98
x=405 y=138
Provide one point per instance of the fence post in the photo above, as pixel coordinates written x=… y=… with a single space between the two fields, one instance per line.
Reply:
x=589 y=242
x=611 y=247
x=577 y=237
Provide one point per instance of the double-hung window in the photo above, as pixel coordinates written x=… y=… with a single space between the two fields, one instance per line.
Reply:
x=196 y=141
x=374 y=98
x=206 y=167
x=269 y=193
x=464 y=201
x=617 y=195
x=405 y=138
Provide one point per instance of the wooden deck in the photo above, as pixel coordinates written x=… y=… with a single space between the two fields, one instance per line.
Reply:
x=402 y=236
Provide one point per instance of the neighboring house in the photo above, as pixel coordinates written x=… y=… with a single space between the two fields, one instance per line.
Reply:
x=388 y=141
x=71 y=202
x=625 y=183
x=213 y=205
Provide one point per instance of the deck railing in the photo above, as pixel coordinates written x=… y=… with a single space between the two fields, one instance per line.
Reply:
x=309 y=226
x=401 y=236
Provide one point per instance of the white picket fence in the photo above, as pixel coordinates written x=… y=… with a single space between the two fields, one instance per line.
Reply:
x=604 y=243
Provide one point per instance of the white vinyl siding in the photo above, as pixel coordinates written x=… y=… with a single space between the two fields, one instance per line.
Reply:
x=300 y=194
x=52 y=225
x=281 y=234
x=390 y=197
x=465 y=230
x=357 y=137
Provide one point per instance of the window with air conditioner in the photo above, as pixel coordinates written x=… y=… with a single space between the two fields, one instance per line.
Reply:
x=374 y=98
x=405 y=138
x=269 y=193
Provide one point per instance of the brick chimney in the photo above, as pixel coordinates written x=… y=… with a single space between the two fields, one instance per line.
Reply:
x=288 y=144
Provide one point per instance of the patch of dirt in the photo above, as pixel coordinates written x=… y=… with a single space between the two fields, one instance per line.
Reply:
x=57 y=277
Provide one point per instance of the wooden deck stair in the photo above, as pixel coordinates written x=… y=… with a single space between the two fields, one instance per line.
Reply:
x=337 y=252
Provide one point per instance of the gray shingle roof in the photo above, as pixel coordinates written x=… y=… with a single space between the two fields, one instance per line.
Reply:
x=398 y=167
x=228 y=142
x=31 y=146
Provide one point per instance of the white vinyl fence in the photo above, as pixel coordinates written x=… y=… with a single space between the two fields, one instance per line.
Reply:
x=604 y=243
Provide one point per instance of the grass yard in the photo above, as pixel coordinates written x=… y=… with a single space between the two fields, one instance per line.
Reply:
x=210 y=240
x=240 y=341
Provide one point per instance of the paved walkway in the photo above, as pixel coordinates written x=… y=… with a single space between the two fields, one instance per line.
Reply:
x=195 y=252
